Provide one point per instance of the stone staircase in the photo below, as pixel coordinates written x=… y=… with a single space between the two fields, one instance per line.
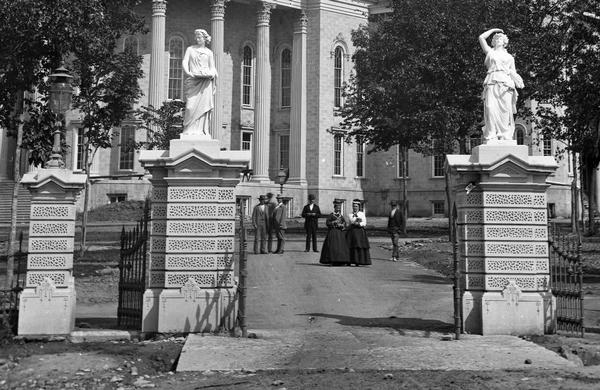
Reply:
x=6 y=193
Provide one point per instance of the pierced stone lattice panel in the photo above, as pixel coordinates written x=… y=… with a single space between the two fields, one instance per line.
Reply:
x=47 y=228
x=158 y=211
x=66 y=212
x=59 y=278
x=474 y=282
x=515 y=266
x=200 y=211
x=225 y=279
x=50 y=245
x=225 y=261
x=158 y=227
x=157 y=244
x=157 y=261
x=509 y=199
x=198 y=262
x=194 y=245
x=226 y=195
x=44 y=261
x=503 y=232
x=473 y=199
x=200 y=228
x=514 y=217
x=157 y=279
x=525 y=249
x=193 y=194
x=178 y=279
x=159 y=194
x=472 y=264
x=525 y=283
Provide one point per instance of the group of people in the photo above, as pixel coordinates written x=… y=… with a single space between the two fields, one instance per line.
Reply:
x=269 y=218
x=346 y=242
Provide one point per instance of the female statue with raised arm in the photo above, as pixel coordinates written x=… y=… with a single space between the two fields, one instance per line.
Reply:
x=499 y=87
x=199 y=86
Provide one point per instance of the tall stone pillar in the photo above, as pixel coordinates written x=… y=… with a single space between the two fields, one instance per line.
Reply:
x=192 y=284
x=298 y=109
x=217 y=25
x=262 y=106
x=500 y=197
x=157 y=61
x=47 y=304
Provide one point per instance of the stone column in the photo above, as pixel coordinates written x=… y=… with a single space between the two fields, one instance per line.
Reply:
x=157 y=60
x=47 y=304
x=192 y=285
x=298 y=109
x=503 y=239
x=262 y=105
x=217 y=25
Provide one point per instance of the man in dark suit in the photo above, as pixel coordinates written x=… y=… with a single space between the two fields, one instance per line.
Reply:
x=271 y=204
x=260 y=221
x=311 y=214
x=280 y=223
x=396 y=225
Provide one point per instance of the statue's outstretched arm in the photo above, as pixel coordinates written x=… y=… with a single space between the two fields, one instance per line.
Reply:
x=484 y=36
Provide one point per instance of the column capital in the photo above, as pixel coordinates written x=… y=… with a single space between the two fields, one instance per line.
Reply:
x=264 y=13
x=217 y=9
x=159 y=7
x=301 y=23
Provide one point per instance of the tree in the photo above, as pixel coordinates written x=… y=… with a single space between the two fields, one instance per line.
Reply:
x=162 y=125
x=419 y=69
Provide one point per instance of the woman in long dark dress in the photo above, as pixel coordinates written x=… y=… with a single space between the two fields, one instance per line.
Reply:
x=357 y=237
x=335 y=249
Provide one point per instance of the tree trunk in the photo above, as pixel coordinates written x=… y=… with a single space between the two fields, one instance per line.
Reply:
x=451 y=224
x=574 y=197
x=404 y=189
x=86 y=201
x=591 y=203
x=12 y=237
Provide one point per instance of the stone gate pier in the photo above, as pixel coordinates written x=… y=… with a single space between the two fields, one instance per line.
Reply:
x=500 y=200
x=192 y=283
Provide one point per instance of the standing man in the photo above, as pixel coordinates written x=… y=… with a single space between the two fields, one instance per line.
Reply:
x=271 y=204
x=260 y=220
x=396 y=224
x=280 y=223
x=311 y=214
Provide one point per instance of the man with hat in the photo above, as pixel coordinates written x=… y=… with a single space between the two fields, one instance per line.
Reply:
x=280 y=223
x=396 y=225
x=271 y=204
x=260 y=220
x=311 y=214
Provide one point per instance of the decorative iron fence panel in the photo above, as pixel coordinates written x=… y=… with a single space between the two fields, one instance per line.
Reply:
x=132 y=273
x=566 y=279
x=9 y=296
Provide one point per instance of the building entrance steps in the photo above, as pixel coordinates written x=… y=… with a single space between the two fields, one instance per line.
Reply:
x=389 y=315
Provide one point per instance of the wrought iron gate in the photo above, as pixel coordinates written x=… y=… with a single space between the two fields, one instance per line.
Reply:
x=132 y=273
x=566 y=279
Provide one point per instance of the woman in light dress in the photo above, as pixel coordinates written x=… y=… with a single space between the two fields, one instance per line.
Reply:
x=499 y=87
x=199 y=86
x=357 y=237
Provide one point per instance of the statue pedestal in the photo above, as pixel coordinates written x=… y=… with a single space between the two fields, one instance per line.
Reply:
x=192 y=285
x=500 y=198
x=47 y=304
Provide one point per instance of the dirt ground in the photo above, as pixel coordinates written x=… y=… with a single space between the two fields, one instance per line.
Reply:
x=60 y=364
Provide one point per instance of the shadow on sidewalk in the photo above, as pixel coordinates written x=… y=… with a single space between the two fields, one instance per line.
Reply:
x=398 y=324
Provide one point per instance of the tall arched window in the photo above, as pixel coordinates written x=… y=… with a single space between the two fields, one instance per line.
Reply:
x=338 y=77
x=175 y=68
x=247 y=79
x=520 y=135
x=286 y=77
x=131 y=43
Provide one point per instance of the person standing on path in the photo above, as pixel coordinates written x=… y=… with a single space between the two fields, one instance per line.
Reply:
x=280 y=223
x=260 y=220
x=357 y=237
x=311 y=214
x=271 y=204
x=335 y=248
x=396 y=225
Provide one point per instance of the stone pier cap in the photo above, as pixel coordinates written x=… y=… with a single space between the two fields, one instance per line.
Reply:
x=65 y=179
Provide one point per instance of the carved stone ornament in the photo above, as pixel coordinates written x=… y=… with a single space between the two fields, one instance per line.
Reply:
x=159 y=7
x=511 y=293
x=191 y=290
x=264 y=13
x=45 y=289
x=217 y=8
x=302 y=23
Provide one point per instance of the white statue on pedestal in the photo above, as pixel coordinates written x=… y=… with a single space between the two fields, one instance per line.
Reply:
x=499 y=88
x=199 y=86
